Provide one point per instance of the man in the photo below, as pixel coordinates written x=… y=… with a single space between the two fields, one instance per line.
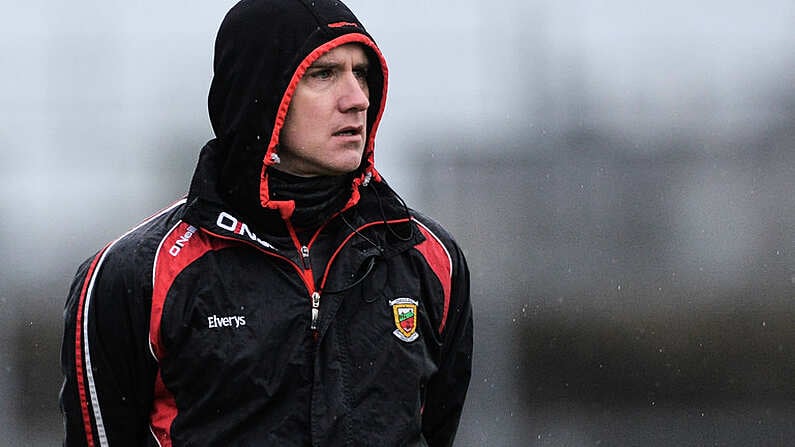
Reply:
x=292 y=299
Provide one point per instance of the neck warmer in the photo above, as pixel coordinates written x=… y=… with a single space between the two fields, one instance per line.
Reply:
x=316 y=198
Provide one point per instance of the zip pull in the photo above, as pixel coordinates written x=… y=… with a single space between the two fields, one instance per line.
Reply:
x=305 y=256
x=315 y=310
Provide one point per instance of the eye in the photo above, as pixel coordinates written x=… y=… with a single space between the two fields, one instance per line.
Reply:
x=360 y=73
x=324 y=73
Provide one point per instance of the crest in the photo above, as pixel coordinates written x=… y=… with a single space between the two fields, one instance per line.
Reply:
x=405 y=312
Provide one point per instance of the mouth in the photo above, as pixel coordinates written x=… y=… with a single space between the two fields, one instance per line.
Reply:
x=349 y=131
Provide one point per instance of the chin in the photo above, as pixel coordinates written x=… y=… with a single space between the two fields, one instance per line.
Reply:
x=346 y=166
x=345 y=170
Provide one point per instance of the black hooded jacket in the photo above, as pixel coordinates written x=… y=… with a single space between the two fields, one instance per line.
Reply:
x=216 y=322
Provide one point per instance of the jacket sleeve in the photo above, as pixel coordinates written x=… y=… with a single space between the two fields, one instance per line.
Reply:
x=108 y=372
x=447 y=389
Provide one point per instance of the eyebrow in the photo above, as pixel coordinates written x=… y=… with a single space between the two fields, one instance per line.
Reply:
x=324 y=64
x=333 y=63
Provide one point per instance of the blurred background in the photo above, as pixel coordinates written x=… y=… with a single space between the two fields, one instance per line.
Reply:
x=620 y=174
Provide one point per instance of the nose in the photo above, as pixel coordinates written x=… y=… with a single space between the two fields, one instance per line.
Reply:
x=354 y=94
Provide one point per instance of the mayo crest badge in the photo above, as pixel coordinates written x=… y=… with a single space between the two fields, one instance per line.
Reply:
x=405 y=312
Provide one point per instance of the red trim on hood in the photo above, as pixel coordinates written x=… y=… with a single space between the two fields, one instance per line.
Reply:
x=341 y=24
x=286 y=207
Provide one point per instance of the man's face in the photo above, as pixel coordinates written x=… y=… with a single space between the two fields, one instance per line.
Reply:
x=325 y=129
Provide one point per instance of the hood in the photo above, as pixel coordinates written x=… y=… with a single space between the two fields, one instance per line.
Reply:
x=262 y=50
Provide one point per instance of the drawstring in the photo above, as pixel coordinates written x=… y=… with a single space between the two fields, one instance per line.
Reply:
x=371 y=260
x=383 y=215
x=376 y=246
x=370 y=265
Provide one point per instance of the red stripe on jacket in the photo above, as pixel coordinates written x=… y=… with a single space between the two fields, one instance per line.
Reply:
x=79 y=360
x=439 y=260
x=182 y=246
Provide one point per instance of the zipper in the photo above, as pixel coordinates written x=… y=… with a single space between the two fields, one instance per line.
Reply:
x=315 y=295
x=305 y=256
x=304 y=270
x=315 y=311
x=309 y=279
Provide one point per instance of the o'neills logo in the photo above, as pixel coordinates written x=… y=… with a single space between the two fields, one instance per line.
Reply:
x=405 y=313
x=230 y=223
x=177 y=247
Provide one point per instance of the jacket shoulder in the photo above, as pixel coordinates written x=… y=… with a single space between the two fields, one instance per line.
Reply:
x=130 y=256
x=106 y=327
x=437 y=231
